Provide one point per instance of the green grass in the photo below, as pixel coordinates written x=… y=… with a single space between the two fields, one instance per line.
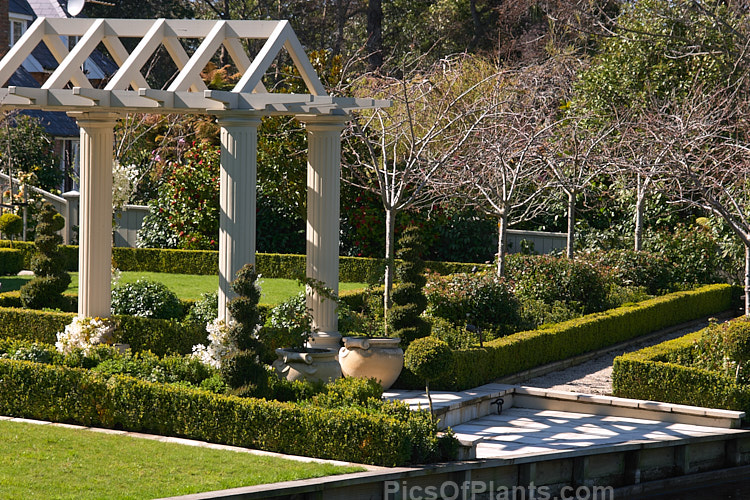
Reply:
x=190 y=286
x=40 y=461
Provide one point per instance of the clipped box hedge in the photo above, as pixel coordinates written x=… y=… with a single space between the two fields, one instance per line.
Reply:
x=526 y=350
x=655 y=374
x=11 y=261
x=62 y=394
x=351 y=269
x=160 y=336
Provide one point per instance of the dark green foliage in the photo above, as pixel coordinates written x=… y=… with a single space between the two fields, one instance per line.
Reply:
x=391 y=436
x=146 y=299
x=629 y=268
x=693 y=250
x=349 y=391
x=241 y=371
x=409 y=302
x=11 y=261
x=480 y=299
x=578 y=284
x=428 y=358
x=672 y=372
x=11 y=224
x=48 y=264
x=525 y=350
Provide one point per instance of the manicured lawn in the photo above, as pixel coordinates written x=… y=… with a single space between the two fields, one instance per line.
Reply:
x=40 y=461
x=190 y=286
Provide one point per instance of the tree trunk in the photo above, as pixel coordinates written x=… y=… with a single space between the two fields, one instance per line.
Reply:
x=747 y=280
x=502 y=244
x=374 y=43
x=390 y=239
x=571 y=224
x=640 y=206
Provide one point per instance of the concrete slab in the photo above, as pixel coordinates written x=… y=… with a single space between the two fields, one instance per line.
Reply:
x=523 y=431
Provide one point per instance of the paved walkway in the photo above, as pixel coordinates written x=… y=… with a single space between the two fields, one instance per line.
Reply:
x=521 y=432
x=595 y=376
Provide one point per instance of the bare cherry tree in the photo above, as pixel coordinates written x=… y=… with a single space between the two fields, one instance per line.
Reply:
x=397 y=152
x=574 y=157
x=708 y=164
x=505 y=176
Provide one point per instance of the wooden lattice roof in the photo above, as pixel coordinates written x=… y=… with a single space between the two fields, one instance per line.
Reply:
x=69 y=89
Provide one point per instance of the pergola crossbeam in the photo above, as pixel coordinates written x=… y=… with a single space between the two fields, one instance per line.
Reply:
x=239 y=114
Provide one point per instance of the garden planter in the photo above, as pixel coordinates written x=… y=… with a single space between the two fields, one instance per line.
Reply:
x=378 y=358
x=315 y=365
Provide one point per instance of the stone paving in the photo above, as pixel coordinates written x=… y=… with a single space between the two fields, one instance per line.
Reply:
x=519 y=432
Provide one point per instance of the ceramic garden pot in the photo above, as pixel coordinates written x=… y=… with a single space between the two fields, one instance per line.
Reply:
x=313 y=364
x=378 y=358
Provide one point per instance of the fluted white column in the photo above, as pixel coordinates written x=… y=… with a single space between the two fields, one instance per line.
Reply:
x=237 y=195
x=95 y=216
x=323 y=200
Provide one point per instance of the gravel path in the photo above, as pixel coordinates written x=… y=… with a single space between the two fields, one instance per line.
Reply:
x=595 y=376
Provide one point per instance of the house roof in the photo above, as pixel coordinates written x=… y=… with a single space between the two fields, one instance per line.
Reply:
x=48 y=8
x=56 y=123
x=22 y=78
x=20 y=7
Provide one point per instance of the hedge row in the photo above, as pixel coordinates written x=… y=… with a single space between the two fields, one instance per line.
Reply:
x=526 y=350
x=61 y=394
x=160 y=336
x=652 y=374
x=351 y=269
x=11 y=261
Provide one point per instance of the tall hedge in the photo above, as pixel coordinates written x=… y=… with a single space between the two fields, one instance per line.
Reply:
x=11 y=261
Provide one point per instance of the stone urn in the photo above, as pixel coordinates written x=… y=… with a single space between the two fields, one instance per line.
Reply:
x=378 y=358
x=313 y=364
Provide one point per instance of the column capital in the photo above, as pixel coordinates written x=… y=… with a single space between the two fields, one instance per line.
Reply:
x=322 y=123
x=238 y=118
x=94 y=118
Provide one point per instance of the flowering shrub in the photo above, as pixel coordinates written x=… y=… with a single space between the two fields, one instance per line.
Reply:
x=481 y=299
x=124 y=180
x=146 y=299
x=83 y=333
x=186 y=212
x=220 y=344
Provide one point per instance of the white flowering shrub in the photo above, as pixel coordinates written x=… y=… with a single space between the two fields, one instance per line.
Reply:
x=83 y=333
x=220 y=344
x=124 y=181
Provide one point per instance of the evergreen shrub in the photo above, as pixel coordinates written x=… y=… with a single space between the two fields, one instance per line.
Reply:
x=11 y=261
x=146 y=299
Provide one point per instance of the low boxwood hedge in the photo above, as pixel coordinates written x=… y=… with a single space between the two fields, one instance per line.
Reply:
x=159 y=336
x=655 y=374
x=62 y=394
x=526 y=350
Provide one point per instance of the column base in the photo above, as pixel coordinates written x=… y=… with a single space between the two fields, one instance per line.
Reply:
x=325 y=340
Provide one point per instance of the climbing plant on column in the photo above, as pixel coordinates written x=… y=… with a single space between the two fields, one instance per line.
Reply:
x=48 y=264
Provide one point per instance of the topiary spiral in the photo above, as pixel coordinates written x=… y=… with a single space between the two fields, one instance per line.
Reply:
x=409 y=302
x=48 y=264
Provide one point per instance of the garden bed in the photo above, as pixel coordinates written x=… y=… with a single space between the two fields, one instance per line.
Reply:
x=522 y=351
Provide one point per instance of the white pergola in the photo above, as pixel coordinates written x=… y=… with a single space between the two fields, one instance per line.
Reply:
x=238 y=112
